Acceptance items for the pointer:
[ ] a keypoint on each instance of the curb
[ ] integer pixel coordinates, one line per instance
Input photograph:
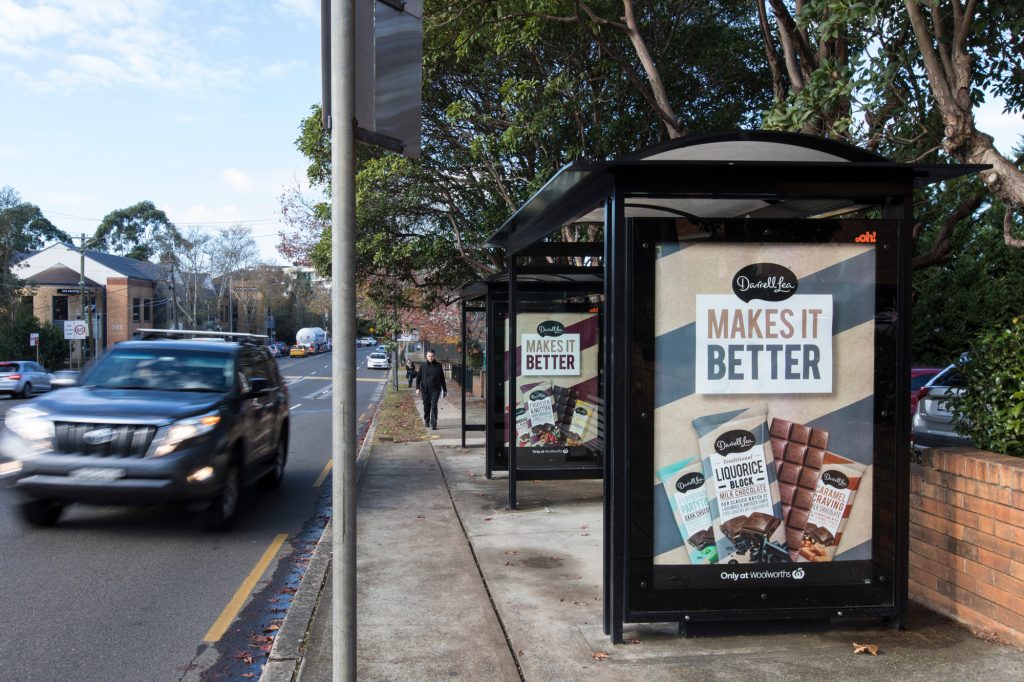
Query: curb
(286, 653)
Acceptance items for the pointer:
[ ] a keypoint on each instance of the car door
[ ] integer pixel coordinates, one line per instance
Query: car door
(258, 416)
(42, 381)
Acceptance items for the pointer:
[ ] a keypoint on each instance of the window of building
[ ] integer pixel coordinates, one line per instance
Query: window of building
(59, 308)
(136, 309)
(147, 310)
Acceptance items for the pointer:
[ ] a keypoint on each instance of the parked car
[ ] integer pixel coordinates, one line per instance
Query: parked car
(918, 378)
(274, 351)
(63, 378)
(377, 360)
(933, 425)
(282, 347)
(23, 378)
(364, 341)
(383, 349)
(298, 351)
(152, 421)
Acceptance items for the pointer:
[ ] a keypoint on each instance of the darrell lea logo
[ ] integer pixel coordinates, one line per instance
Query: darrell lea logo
(550, 328)
(737, 440)
(779, 574)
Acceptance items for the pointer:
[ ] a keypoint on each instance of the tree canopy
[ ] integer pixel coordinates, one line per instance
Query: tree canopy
(140, 231)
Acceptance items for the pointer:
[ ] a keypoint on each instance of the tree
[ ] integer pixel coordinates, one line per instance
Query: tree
(141, 231)
(232, 251)
(23, 228)
(513, 90)
(193, 285)
(905, 78)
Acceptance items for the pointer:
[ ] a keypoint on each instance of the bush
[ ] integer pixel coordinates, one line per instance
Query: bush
(989, 410)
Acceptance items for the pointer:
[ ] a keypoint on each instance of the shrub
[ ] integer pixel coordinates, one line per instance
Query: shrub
(989, 410)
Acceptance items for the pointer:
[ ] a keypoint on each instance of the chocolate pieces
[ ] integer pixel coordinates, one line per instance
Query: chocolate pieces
(733, 526)
(760, 524)
(702, 539)
(798, 451)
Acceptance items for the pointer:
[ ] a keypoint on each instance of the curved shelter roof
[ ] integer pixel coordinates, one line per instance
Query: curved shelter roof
(744, 174)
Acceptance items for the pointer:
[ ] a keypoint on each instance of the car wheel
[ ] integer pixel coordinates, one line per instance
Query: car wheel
(223, 509)
(41, 513)
(26, 391)
(272, 479)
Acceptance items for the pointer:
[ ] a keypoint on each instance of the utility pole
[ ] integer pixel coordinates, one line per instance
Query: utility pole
(81, 300)
(343, 359)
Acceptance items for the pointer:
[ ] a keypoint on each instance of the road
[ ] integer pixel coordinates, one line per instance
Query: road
(146, 594)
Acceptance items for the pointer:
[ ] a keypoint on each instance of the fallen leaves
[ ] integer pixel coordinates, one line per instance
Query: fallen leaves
(488, 518)
(865, 649)
(600, 655)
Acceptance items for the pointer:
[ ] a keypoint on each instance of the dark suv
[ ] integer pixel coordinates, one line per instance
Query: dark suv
(153, 420)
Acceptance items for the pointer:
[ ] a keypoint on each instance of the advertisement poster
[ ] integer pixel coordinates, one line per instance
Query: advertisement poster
(763, 420)
(557, 413)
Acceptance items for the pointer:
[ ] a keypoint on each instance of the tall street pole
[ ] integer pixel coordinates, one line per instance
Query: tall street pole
(81, 300)
(343, 360)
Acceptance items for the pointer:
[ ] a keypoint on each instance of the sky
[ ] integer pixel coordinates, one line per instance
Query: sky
(191, 104)
(194, 105)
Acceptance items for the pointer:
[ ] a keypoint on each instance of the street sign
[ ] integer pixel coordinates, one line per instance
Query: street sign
(33, 339)
(75, 329)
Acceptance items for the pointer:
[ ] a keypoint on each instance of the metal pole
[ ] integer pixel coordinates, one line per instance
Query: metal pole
(343, 361)
(81, 301)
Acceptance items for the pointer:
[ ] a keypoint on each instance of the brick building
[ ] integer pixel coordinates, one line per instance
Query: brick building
(122, 294)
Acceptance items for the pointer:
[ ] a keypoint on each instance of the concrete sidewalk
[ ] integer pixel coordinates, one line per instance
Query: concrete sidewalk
(451, 584)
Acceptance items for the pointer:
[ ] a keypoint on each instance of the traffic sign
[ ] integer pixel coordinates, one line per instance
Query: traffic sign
(33, 339)
(75, 329)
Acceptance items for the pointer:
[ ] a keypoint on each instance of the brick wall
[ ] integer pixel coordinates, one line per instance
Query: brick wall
(967, 539)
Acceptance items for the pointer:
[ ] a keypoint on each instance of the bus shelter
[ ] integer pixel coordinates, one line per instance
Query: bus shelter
(565, 298)
(755, 373)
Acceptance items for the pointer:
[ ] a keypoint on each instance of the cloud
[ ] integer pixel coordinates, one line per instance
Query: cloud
(306, 9)
(238, 180)
(71, 44)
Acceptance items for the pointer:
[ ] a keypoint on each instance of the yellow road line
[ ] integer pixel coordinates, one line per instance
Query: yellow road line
(323, 474)
(227, 616)
(376, 381)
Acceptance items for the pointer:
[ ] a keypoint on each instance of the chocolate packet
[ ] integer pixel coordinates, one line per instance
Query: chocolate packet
(683, 483)
(741, 486)
(541, 414)
(522, 426)
(830, 509)
(582, 417)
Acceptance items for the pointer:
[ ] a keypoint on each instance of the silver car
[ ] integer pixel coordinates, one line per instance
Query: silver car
(934, 424)
(23, 378)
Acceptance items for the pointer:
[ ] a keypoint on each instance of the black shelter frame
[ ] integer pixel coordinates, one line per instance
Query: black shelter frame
(745, 182)
(499, 296)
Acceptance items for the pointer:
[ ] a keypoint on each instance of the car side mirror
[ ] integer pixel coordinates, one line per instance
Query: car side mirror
(258, 386)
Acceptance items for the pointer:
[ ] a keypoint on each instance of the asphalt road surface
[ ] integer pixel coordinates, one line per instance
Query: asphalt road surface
(128, 594)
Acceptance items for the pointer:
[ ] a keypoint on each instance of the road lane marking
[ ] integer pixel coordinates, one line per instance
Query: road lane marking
(376, 381)
(227, 616)
(362, 417)
(323, 474)
(294, 406)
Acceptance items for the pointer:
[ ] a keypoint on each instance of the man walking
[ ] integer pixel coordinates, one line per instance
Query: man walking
(430, 384)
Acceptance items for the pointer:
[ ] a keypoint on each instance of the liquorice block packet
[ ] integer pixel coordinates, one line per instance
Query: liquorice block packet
(683, 483)
(830, 509)
(741, 485)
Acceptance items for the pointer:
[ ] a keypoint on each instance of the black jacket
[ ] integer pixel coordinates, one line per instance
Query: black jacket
(431, 377)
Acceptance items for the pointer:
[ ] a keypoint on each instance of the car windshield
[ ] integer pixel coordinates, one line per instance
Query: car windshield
(378, 356)
(162, 369)
(8, 367)
(949, 377)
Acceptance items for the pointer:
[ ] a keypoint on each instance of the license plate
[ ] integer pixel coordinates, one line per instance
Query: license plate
(98, 474)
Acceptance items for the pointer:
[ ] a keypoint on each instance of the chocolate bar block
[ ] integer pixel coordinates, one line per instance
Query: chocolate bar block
(761, 525)
(731, 528)
(798, 451)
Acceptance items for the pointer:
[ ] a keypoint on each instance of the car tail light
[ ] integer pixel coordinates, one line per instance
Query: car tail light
(13, 377)
(922, 392)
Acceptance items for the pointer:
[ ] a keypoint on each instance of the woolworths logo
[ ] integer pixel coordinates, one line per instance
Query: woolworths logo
(776, 574)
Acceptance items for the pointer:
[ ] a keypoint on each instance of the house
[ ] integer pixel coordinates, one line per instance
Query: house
(122, 294)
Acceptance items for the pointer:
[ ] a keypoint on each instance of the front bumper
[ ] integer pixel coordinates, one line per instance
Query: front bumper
(114, 480)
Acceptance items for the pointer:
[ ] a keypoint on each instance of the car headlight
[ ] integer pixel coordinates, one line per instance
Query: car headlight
(32, 426)
(168, 438)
